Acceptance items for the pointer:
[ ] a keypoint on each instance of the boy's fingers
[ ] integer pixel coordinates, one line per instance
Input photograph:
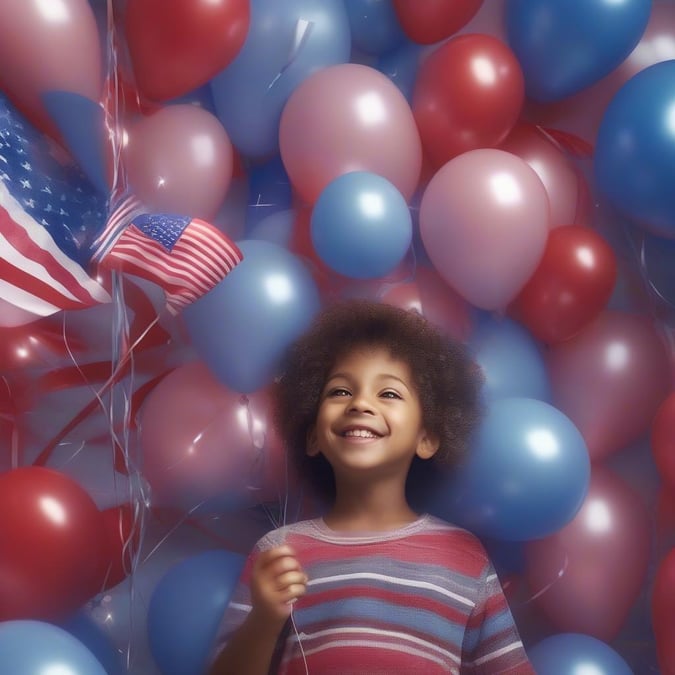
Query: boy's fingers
(290, 579)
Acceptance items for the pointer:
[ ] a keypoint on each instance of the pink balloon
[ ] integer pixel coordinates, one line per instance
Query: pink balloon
(179, 160)
(565, 186)
(484, 220)
(47, 46)
(582, 113)
(587, 576)
(349, 117)
(200, 441)
(610, 379)
(429, 295)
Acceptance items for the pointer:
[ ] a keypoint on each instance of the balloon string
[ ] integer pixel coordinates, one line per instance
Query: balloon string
(545, 589)
(303, 28)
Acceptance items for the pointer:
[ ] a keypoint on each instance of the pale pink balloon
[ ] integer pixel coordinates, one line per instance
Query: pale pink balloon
(484, 220)
(581, 114)
(179, 160)
(565, 185)
(349, 117)
(48, 45)
(587, 576)
(429, 295)
(200, 441)
(610, 379)
(11, 315)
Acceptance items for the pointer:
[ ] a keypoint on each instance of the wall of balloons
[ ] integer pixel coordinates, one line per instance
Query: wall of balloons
(504, 167)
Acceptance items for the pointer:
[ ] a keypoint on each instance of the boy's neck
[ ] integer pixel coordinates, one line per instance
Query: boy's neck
(369, 510)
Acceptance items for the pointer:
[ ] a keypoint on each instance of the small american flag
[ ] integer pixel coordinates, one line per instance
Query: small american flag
(185, 256)
(49, 213)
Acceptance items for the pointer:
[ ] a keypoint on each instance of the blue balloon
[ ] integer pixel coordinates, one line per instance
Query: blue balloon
(92, 637)
(375, 28)
(186, 608)
(564, 47)
(38, 648)
(401, 66)
(526, 475)
(361, 225)
(634, 158)
(269, 192)
(243, 326)
(657, 261)
(511, 360)
(286, 42)
(277, 228)
(576, 654)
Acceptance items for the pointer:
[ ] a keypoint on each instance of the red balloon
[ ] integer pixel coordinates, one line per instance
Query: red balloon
(663, 440)
(570, 287)
(610, 379)
(468, 95)
(587, 576)
(178, 46)
(663, 612)
(429, 21)
(52, 545)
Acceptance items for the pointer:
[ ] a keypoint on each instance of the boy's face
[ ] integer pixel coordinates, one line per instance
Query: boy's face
(370, 416)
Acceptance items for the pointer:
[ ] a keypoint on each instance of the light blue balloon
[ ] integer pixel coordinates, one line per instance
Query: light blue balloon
(361, 225)
(243, 326)
(576, 654)
(511, 360)
(186, 608)
(526, 475)
(286, 42)
(38, 648)
(375, 28)
(92, 637)
(565, 46)
(634, 158)
(277, 228)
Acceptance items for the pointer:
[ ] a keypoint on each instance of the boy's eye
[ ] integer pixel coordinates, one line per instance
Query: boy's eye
(390, 394)
(338, 391)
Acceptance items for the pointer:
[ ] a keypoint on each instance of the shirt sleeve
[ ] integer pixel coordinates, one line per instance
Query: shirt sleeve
(492, 644)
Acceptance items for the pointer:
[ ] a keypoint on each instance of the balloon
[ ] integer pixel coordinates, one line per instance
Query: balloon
(276, 228)
(429, 21)
(347, 118)
(269, 191)
(34, 647)
(566, 188)
(81, 627)
(186, 608)
(428, 294)
(526, 474)
(286, 43)
(610, 379)
(484, 221)
(599, 34)
(581, 114)
(53, 545)
(361, 226)
(663, 440)
(46, 47)
(179, 160)
(586, 577)
(574, 654)
(512, 362)
(468, 95)
(374, 26)
(242, 328)
(663, 611)
(571, 286)
(401, 65)
(635, 151)
(205, 444)
(178, 47)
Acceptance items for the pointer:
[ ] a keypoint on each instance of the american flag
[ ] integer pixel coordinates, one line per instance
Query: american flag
(186, 256)
(49, 214)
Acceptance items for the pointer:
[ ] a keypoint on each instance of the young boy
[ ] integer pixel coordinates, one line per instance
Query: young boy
(372, 587)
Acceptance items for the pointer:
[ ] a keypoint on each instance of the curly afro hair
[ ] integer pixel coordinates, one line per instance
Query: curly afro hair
(447, 380)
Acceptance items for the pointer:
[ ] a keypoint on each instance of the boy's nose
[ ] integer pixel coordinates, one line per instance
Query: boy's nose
(361, 404)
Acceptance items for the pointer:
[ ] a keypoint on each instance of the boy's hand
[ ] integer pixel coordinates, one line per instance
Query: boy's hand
(277, 582)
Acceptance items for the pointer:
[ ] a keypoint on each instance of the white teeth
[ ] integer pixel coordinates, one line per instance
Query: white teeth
(360, 433)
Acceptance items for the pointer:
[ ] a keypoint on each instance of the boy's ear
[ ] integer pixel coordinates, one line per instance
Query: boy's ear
(427, 445)
(311, 446)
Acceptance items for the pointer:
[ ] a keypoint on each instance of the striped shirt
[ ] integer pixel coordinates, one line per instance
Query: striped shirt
(420, 599)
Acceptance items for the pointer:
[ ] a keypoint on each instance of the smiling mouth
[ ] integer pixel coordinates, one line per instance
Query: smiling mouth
(360, 433)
